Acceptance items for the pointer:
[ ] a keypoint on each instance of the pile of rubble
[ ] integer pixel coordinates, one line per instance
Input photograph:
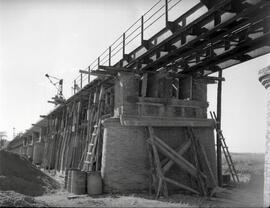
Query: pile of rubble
(13, 199)
(18, 174)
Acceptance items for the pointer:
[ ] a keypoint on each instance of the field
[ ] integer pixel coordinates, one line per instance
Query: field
(249, 193)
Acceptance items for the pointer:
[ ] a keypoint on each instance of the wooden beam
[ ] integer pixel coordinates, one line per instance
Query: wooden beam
(53, 102)
(180, 185)
(212, 78)
(112, 68)
(85, 72)
(100, 73)
(181, 151)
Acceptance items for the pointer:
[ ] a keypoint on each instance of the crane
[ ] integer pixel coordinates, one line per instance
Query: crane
(58, 83)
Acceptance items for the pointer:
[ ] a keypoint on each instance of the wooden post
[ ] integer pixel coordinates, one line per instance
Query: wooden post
(218, 141)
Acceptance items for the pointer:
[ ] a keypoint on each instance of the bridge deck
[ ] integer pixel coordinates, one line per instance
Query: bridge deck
(200, 40)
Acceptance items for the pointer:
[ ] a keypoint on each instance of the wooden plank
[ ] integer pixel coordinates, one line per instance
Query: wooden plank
(181, 185)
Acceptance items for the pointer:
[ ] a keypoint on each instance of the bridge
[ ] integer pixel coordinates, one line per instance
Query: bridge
(158, 82)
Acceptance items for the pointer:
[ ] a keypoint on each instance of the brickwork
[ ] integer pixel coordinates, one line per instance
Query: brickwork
(124, 158)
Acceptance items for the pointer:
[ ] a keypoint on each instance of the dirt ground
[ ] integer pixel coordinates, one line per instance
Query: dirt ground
(233, 197)
(249, 193)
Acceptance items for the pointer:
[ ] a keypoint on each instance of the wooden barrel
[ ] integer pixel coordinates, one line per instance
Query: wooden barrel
(30, 151)
(38, 152)
(78, 182)
(94, 183)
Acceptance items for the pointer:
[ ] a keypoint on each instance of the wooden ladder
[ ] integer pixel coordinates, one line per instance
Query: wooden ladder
(92, 153)
(225, 149)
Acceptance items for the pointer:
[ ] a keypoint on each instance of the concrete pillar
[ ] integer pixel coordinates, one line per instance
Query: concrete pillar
(264, 78)
(126, 88)
(193, 89)
(185, 89)
(159, 86)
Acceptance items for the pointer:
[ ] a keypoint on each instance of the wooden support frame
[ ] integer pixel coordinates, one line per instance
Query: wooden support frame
(178, 159)
(181, 151)
(206, 182)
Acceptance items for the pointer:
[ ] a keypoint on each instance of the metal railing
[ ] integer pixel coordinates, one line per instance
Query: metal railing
(131, 39)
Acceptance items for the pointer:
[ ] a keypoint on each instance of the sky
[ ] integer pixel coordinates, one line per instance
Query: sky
(62, 36)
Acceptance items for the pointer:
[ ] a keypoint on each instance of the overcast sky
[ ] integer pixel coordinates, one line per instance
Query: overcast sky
(62, 36)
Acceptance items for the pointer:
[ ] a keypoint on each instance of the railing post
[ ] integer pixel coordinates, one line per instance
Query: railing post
(166, 12)
(142, 29)
(74, 88)
(89, 70)
(81, 80)
(98, 61)
(124, 40)
(110, 55)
